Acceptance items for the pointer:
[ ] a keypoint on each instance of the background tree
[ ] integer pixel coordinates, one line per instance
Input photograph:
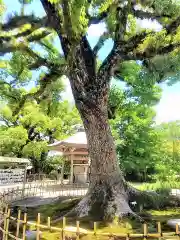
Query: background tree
(39, 121)
(134, 129)
(90, 83)
(33, 131)
(169, 150)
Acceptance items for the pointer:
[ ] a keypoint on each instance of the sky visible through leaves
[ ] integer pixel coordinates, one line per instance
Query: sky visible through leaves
(169, 107)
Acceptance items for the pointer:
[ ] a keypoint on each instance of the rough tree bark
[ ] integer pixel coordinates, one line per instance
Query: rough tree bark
(107, 195)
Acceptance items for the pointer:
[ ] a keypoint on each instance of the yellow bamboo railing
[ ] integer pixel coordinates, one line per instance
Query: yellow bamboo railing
(22, 224)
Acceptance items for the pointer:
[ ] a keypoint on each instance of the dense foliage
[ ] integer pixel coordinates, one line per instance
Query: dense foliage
(134, 128)
(137, 141)
(169, 151)
(146, 152)
(39, 122)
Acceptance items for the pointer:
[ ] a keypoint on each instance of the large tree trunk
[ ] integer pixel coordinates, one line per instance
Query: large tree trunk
(107, 196)
(107, 189)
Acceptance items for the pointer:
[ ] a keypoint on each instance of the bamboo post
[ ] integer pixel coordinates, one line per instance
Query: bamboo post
(159, 230)
(24, 226)
(95, 229)
(5, 219)
(177, 230)
(63, 228)
(38, 227)
(18, 223)
(127, 237)
(127, 227)
(145, 231)
(7, 224)
(77, 230)
(49, 223)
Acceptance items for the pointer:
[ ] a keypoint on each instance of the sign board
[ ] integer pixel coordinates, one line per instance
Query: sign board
(11, 175)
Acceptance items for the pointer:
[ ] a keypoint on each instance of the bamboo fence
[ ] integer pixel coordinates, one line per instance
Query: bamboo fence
(22, 225)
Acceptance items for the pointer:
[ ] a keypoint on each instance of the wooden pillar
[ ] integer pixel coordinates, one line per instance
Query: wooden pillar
(62, 172)
(72, 170)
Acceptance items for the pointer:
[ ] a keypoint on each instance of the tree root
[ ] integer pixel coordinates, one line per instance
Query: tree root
(103, 205)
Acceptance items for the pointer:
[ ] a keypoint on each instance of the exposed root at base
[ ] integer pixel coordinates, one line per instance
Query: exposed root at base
(116, 207)
(77, 213)
(81, 210)
(104, 207)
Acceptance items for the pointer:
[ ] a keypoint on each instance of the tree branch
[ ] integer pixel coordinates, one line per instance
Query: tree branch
(89, 59)
(8, 48)
(100, 43)
(147, 15)
(124, 50)
(49, 48)
(5, 83)
(10, 94)
(39, 61)
(134, 41)
(99, 18)
(30, 38)
(121, 22)
(37, 37)
(53, 17)
(172, 27)
(18, 21)
(152, 52)
(8, 123)
(106, 69)
(44, 82)
(56, 23)
(67, 18)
